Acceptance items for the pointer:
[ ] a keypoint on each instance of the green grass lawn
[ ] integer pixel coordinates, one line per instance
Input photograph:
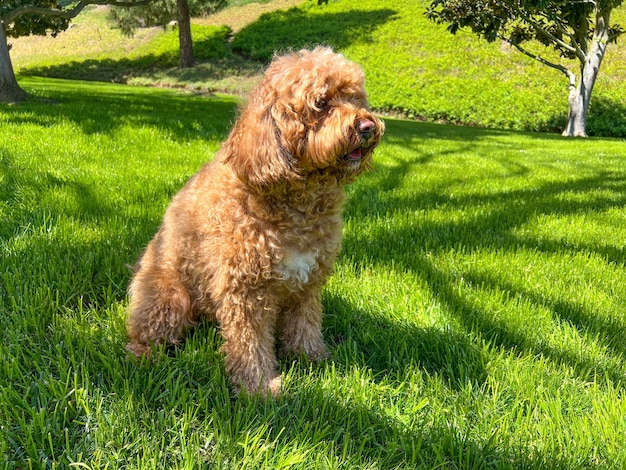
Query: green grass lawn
(475, 320)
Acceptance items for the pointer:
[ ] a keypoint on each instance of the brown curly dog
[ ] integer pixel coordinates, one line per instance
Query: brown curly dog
(251, 238)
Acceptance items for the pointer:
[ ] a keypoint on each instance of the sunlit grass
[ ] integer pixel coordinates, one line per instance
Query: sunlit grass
(475, 318)
(91, 36)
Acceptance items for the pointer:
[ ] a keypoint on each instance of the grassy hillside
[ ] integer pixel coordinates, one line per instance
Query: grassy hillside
(91, 50)
(413, 66)
(475, 320)
(416, 67)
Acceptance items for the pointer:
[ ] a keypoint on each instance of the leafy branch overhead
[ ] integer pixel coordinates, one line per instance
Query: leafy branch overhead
(565, 26)
(159, 13)
(578, 30)
(20, 18)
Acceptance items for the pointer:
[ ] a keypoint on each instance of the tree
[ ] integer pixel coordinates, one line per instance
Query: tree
(25, 17)
(578, 30)
(161, 13)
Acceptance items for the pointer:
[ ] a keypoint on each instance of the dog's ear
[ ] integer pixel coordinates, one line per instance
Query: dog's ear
(255, 149)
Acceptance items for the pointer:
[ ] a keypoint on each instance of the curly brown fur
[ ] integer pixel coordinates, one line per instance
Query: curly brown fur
(251, 238)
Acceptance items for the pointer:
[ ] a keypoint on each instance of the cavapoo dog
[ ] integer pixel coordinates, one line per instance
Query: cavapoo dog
(251, 238)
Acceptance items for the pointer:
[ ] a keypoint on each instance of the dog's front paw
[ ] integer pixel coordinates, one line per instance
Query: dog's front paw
(314, 351)
(319, 354)
(275, 386)
(267, 387)
(139, 349)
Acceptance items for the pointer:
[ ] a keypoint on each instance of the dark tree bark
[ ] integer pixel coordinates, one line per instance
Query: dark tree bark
(184, 34)
(10, 91)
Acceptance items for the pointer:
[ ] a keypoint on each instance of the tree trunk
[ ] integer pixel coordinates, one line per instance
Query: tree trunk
(580, 95)
(184, 34)
(10, 91)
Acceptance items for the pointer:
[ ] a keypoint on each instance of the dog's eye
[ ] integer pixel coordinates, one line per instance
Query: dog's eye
(321, 104)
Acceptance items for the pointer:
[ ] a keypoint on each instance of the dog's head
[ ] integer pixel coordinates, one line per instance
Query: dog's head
(309, 114)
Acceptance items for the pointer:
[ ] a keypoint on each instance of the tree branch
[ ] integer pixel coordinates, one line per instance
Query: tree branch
(568, 47)
(561, 68)
(66, 14)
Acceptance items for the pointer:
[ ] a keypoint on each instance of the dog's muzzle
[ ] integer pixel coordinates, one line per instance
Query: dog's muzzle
(366, 129)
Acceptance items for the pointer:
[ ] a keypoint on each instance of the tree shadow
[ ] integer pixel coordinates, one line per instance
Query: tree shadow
(294, 29)
(606, 331)
(41, 255)
(361, 433)
(365, 436)
(490, 224)
(276, 31)
(124, 70)
(39, 207)
(209, 46)
(103, 109)
(371, 336)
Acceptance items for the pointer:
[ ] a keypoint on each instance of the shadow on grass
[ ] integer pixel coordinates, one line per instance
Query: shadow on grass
(42, 256)
(277, 31)
(41, 207)
(104, 108)
(296, 28)
(368, 434)
(356, 433)
(209, 46)
(362, 436)
(372, 337)
(151, 66)
(490, 225)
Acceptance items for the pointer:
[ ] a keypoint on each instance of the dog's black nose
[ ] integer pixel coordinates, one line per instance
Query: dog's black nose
(366, 129)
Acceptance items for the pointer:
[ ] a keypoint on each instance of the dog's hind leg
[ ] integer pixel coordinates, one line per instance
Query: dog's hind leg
(160, 306)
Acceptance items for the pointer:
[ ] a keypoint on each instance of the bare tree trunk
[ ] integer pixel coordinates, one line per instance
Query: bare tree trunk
(10, 91)
(184, 34)
(580, 95)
